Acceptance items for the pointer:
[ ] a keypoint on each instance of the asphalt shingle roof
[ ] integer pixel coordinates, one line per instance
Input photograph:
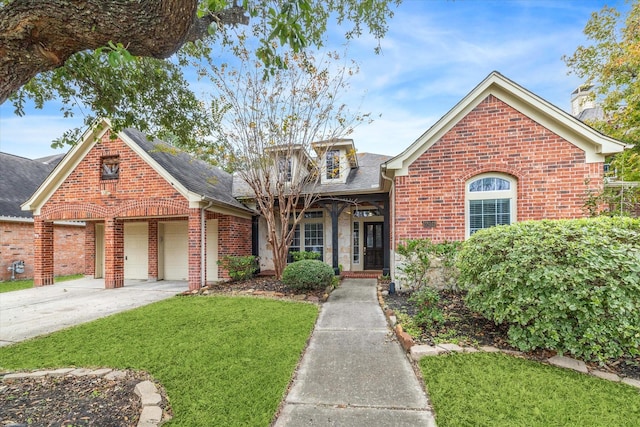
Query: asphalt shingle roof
(195, 175)
(363, 179)
(19, 179)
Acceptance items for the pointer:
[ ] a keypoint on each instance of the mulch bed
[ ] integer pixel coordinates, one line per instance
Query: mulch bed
(262, 285)
(472, 329)
(71, 401)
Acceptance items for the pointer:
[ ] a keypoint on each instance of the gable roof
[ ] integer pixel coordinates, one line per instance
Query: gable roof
(595, 144)
(363, 179)
(197, 176)
(198, 181)
(20, 178)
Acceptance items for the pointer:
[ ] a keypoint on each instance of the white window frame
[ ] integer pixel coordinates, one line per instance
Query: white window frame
(510, 194)
(310, 217)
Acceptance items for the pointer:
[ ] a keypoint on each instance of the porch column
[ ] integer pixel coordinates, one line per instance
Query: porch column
(90, 248)
(386, 233)
(153, 250)
(197, 256)
(336, 210)
(113, 253)
(43, 252)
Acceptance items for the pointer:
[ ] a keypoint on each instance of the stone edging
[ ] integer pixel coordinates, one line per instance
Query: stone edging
(417, 352)
(152, 414)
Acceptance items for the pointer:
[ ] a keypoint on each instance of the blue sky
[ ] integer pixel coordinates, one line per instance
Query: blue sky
(435, 52)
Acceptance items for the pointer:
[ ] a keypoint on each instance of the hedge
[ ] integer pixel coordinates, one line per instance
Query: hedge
(567, 285)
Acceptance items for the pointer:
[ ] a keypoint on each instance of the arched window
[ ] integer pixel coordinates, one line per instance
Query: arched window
(490, 200)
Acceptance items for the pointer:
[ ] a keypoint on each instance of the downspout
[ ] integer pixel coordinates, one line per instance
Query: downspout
(383, 169)
(203, 248)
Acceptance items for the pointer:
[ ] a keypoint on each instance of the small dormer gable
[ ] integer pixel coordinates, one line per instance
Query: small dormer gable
(291, 162)
(336, 157)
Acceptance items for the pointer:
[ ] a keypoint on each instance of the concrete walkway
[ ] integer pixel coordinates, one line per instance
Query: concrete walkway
(36, 311)
(354, 372)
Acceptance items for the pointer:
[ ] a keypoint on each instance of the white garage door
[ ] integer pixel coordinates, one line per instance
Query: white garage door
(212, 250)
(136, 250)
(176, 250)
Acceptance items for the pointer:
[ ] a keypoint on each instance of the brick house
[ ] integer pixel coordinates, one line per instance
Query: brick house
(19, 178)
(501, 155)
(151, 211)
(349, 224)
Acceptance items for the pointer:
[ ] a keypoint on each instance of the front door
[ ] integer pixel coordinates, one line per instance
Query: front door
(373, 249)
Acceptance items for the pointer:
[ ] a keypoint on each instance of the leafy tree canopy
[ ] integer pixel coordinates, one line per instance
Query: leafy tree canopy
(127, 60)
(611, 63)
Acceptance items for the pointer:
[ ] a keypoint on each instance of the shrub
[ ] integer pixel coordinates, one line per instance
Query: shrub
(239, 267)
(566, 285)
(416, 262)
(307, 274)
(428, 314)
(299, 256)
(418, 256)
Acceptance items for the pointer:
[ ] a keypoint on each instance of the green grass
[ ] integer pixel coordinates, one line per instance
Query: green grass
(483, 389)
(18, 285)
(222, 360)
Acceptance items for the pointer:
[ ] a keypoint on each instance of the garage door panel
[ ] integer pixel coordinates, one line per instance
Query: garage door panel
(136, 251)
(176, 251)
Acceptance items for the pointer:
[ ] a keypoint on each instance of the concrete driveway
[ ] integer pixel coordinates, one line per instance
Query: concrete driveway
(38, 311)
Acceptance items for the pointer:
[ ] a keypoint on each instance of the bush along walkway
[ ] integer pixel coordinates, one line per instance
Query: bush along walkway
(353, 372)
(417, 352)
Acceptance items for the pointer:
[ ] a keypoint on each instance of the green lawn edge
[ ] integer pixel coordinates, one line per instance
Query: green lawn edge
(222, 360)
(18, 285)
(492, 389)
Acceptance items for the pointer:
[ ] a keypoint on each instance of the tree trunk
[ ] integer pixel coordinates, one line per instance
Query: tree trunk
(37, 35)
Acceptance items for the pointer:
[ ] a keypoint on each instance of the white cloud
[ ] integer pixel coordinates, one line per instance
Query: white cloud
(434, 53)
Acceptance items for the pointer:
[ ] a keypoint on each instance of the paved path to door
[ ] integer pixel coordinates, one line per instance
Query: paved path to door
(36, 311)
(354, 372)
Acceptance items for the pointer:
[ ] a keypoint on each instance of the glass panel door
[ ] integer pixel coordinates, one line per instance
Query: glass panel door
(373, 249)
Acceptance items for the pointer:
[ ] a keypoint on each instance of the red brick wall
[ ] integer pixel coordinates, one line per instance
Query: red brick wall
(234, 237)
(113, 253)
(17, 243)
(153, 249)
(494, 137)
(68, 257)
(139, 190)
(90, 249)
(42, 252)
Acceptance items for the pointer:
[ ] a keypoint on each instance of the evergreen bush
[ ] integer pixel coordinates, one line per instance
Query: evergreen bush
(300, 255)
(239, 267)
(568, 285)
(307, 275)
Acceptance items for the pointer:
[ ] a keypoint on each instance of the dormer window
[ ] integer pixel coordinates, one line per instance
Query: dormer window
(284, 168)
(333, 164)
(110, 167)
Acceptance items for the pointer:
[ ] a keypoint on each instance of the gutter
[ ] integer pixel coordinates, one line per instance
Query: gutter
(392, 205)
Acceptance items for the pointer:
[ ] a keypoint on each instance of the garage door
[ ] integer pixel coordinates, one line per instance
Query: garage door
(212, 250)
(176, 251)
(136, 250)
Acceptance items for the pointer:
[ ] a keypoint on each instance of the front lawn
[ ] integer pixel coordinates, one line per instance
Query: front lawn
(17, 285)
(223, 361)
(485, 389)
